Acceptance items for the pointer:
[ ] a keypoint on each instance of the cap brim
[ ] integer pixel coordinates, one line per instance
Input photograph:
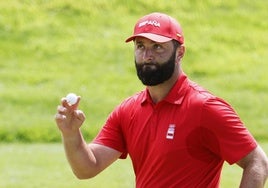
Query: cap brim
(151, 36)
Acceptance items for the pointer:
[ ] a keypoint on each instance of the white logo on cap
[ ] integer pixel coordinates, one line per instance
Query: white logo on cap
(150, 22)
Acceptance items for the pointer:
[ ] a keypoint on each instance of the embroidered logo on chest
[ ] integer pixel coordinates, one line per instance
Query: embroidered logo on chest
(170, 132)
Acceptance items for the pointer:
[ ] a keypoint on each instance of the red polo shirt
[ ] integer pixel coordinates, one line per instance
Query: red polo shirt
(181, 141)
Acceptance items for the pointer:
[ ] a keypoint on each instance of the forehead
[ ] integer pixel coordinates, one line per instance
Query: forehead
(143, 40)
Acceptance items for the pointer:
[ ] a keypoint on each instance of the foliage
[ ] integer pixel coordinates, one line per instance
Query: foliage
(50, 48)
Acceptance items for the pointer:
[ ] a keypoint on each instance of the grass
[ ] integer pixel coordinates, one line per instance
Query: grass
(45, 165)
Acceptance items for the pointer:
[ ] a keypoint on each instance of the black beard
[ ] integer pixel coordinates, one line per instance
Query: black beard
(152, 73)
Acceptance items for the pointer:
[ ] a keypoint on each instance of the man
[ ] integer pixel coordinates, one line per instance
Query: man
(176, 133)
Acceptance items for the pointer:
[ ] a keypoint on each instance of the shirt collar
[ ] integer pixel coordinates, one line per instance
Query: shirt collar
(176, 94)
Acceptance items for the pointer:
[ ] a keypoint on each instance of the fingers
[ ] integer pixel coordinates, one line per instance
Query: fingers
(61, 109)
(66, 109)
(74, 106)
(68, 116)
(61, 115)
(59, 118)
(80, 115)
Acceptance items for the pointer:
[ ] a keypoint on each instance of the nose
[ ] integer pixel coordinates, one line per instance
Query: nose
(147, 55)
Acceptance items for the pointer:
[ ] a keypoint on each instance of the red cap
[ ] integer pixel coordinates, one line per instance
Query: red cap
(158, 27)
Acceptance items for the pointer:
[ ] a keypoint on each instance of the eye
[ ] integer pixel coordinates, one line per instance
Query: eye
(139, 46)
(157, 46)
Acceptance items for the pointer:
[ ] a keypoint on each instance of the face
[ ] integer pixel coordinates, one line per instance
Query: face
(155, 62)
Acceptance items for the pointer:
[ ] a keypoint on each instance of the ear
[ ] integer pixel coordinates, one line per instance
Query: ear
(180, 52)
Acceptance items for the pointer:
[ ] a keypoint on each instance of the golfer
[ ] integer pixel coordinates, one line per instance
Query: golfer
(176, 133)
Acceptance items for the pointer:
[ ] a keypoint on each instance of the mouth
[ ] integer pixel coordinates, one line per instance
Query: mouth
(149, 66)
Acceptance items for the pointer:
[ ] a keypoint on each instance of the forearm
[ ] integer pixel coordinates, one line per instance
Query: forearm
(253, 177)
(79, 155)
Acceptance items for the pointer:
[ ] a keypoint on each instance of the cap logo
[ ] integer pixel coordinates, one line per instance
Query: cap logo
(149, 22)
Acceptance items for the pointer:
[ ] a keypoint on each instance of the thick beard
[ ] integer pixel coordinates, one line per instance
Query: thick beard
(152, 73)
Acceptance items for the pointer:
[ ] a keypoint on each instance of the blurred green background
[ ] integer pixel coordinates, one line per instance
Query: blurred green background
(50, 48)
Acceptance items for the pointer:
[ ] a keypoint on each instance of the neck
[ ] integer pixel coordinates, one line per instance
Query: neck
(160, 91)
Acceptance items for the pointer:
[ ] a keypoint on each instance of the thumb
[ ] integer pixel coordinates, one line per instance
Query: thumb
(80, 115)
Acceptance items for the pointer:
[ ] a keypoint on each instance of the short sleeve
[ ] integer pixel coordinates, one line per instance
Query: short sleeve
(226, 135)
(111, 133)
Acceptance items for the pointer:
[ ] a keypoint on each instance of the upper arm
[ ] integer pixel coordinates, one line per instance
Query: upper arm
(255, 168)
(255, 159)
(104, 155)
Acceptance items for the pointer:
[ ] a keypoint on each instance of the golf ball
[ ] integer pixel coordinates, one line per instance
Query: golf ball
(71, 98)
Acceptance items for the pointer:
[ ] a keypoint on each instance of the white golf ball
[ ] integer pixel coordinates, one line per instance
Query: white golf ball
(71, 98)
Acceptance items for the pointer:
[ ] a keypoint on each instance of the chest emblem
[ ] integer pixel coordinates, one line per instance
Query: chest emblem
(170, 132)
